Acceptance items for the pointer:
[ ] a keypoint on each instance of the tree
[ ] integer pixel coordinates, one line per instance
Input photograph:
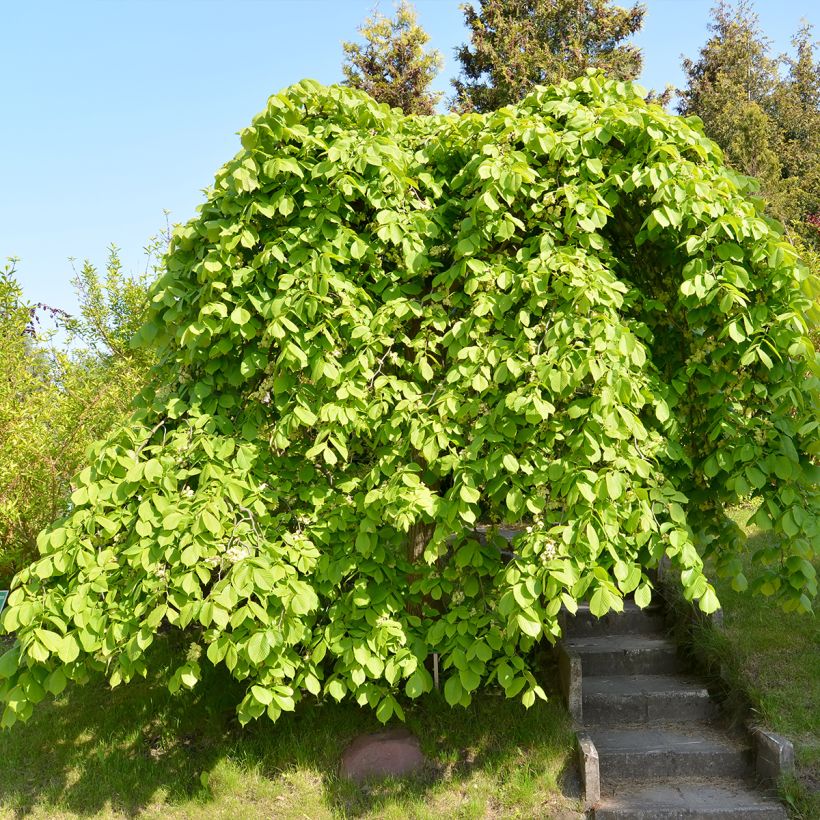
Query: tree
(729, 87)
(795, 108)
(565, 314)
(767, 125)
(55, 402)
(393, 66)
(517, 44)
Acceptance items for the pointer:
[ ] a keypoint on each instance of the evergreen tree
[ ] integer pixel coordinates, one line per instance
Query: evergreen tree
(796, 110)
(393, 66)
(730, 86)
(516, 44)
(768, 125)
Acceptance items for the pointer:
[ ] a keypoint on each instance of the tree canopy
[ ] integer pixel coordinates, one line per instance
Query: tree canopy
(566, 314)
(393, 66)
(518, 44)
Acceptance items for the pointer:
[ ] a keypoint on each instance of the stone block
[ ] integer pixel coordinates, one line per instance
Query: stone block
(393, 753)
(570, 676)
(590, 769)
(775, 754)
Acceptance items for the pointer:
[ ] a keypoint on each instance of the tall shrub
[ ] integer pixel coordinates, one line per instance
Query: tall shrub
(386, 330)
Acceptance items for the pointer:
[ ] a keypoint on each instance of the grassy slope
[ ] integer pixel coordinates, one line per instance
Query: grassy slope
(774, 659)
(137, 750)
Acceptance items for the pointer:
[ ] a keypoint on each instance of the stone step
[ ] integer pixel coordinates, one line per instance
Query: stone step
(630, 699)
(650, 753)
(625, 655)
(631, 621)
(689, 799)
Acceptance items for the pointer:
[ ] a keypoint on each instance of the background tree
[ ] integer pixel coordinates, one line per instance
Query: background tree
(393, 66)
(766, 121)
(516, 44)
(795, 108)
(57, 400)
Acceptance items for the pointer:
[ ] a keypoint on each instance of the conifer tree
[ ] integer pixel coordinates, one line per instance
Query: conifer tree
(729, 86)
(766, 121)
(796, 109)
(393, 65)
(516, 44)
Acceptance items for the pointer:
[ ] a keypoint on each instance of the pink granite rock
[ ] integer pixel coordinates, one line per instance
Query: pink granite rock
(384, 754)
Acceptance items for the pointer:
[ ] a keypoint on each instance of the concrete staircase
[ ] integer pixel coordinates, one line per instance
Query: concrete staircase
(652, 743)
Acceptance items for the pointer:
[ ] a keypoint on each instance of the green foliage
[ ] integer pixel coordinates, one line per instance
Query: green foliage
(385, 330)
(518, 44)
(393, 66)
(55, 402)
(768, 125)
(113, 307)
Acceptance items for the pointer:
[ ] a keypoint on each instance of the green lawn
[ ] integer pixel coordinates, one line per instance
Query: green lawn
(138, 751)
(771, 659)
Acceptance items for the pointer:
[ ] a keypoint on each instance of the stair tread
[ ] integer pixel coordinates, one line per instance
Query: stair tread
(641, 685)
(680, 739)
(654, 608)
(691, 796)
(619, 643)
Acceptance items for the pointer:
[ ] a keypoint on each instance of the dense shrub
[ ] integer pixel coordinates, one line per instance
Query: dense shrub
(385, 330)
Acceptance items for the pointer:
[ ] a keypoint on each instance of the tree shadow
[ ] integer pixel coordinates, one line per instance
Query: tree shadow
(94, 749)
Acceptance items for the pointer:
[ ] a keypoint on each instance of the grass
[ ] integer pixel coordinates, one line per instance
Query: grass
(139, 751)
(767, 662)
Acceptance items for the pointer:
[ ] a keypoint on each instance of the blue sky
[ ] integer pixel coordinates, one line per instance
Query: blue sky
(118, 109)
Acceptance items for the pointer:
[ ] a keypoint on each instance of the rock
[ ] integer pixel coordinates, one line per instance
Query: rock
(393, 753)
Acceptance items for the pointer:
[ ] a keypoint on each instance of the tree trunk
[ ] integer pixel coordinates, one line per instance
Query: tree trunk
(418, 538)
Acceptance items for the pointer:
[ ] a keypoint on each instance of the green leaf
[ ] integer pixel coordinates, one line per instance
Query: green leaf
(529, 623)
(69, 649)
(599, 603)
(453, 690)
(614, 485)
(515, 501)
(240, 316)
(384, 711)
(211, 523)
(50, 640)
(510, 462)
(258, 648)
(643, 595)
(304, 600)
(263, 695)
(305, 415)
(708, 602)
(417, 684)
(469, 679)
(56, 681)
(8, 662)
(336, 689)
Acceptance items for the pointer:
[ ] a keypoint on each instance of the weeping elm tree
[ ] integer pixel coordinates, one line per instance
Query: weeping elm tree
(387, 330)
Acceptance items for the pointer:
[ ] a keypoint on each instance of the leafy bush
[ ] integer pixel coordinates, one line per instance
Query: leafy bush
(386, 330)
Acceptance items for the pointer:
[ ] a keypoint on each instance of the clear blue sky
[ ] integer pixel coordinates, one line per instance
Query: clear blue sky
(115, 110)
